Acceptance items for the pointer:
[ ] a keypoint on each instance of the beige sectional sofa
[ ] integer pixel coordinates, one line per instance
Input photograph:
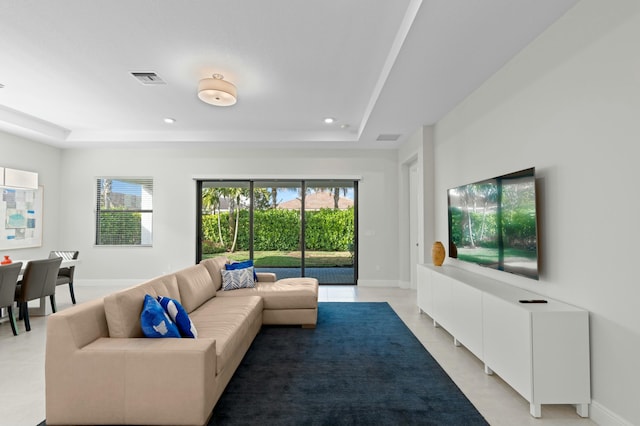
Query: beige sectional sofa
(100, 369)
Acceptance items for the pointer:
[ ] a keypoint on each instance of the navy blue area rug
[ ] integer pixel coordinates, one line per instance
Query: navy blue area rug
(360, 366)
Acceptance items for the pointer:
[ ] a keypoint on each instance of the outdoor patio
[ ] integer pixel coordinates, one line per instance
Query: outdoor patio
(324, 275)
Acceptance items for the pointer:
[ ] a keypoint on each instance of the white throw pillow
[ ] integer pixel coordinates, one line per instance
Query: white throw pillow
(237, 278)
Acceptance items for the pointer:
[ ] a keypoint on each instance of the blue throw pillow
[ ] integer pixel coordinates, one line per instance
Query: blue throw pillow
(179, 316)
(155, 321)
(241, 265)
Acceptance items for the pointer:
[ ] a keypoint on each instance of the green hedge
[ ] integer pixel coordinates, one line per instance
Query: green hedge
(276, 229)
(329, 230)
(119, 228)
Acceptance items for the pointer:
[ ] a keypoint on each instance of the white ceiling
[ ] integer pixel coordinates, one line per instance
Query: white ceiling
(377, 66)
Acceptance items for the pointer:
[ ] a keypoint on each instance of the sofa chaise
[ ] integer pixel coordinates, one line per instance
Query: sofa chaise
(100, 369)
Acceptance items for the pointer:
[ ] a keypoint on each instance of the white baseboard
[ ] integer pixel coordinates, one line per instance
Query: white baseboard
(604, 417)
(404, 284)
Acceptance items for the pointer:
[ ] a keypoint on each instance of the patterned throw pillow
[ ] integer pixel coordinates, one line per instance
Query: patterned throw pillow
(179, 316)
(237, 278)
(155, 321)
(241, 265)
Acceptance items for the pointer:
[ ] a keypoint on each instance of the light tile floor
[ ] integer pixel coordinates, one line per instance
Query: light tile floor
(22, 399)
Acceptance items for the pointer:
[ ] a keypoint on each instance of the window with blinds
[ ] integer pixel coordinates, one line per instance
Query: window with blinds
(124, 211)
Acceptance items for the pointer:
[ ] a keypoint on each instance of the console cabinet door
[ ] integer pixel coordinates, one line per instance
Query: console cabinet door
(443, 301)
(507, 343)
(466, 326)
(561, 371)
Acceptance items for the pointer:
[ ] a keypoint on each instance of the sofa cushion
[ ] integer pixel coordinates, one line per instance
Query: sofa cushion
(229, 321)
(287, 293)
(237, 278)
(155, 321)
(214, 266)
(196, 286)
(123, 308)
(179, 316)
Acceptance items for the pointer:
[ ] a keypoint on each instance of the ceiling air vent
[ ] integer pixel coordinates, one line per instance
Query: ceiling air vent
(389, 137)
(148, 78)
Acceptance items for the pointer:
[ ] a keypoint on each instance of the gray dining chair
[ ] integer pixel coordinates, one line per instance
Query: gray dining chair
(8, 280)
(65, 275)
(38, 281)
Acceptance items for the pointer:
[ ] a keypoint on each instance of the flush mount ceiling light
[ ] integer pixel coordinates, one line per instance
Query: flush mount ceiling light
(217, 91)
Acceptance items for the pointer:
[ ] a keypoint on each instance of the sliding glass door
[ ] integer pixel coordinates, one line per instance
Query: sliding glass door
(277, 227)
(223, 219)
(329, 237)
(293, 228)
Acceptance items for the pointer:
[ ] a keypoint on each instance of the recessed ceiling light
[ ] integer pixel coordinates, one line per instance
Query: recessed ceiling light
(169, 120)
(344, 126)
(329, 120)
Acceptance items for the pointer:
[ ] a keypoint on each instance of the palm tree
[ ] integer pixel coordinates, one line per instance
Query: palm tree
(274, 197)
(261, 198)
(336, 195)
(234, 195)
(211, 201)
(490, 198)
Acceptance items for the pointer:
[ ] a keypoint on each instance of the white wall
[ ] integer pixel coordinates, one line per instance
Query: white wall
(20, 153)
(418, 149)
(175, 194)
(569, 105)
(410, 153)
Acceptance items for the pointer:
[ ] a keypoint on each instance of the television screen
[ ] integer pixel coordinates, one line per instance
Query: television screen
(494, 223)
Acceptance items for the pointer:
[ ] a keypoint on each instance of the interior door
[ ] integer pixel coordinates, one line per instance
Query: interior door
(413, 223)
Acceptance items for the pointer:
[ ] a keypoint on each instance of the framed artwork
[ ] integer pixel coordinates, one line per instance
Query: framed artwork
(20, 217)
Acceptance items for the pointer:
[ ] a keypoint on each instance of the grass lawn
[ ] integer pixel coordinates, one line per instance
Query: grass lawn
(291, 259)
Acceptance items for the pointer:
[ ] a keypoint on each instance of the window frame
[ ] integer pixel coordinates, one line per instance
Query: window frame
(201, 183)
(142, 181)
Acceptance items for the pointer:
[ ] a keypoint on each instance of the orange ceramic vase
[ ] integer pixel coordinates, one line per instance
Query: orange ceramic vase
(5, 261)
(437, 253)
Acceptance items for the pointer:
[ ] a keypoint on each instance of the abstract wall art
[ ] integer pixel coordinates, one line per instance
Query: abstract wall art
(20, 218)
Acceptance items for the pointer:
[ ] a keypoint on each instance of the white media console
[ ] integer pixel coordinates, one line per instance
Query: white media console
(540, 349)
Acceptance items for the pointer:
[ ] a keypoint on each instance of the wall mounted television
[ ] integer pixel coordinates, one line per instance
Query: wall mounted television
(493, 223)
